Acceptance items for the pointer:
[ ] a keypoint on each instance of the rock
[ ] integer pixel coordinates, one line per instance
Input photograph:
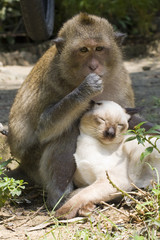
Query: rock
(146, 68)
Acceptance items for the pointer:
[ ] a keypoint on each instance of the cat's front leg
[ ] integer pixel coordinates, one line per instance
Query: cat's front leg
(84, 200)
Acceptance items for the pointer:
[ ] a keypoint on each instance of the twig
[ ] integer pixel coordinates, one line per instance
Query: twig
(116, 209)
(124, 193)
(31, 217)
(140, 190)
(8, 219)
(135, 193)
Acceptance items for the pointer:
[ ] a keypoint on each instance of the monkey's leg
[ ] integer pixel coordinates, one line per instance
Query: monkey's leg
(57, 166)
(100, 190)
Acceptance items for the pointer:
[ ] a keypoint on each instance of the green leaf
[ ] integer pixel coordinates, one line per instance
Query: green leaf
(4, 164)
(156, 127)
(154, 136)
(149, 213)
(138, 207)
(129, 132)
(156, 192)
(139, 237)
(130, 138)
(140, 140)
(150, 131)
(139, 125)
(147, 151)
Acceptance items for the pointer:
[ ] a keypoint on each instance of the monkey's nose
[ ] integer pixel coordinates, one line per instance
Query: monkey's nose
(93, 67)
(110, 133)
(93, 64)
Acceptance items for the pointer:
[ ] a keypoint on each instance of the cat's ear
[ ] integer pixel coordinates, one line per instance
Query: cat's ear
(132, 111)
(92, 103)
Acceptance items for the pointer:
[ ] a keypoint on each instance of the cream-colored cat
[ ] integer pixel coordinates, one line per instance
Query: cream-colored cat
(101, 147)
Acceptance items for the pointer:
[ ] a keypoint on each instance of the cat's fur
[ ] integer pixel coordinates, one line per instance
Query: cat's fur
(101, 147)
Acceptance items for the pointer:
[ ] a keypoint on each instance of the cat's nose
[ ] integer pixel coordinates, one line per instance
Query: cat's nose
(110, 132)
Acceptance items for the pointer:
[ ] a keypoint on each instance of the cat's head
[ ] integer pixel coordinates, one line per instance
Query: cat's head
(107, 121)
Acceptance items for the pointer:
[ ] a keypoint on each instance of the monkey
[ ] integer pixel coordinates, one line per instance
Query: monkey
(85, 63)
(101, 148)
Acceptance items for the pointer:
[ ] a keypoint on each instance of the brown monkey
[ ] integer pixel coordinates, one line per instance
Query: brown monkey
(85, 63)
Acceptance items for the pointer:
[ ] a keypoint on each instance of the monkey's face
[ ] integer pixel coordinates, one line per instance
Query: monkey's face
(87, 56)
(91, 56)
(87, 44)
(107, 122)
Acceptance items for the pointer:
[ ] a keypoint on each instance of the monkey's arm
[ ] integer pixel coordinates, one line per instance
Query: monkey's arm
(59, 117)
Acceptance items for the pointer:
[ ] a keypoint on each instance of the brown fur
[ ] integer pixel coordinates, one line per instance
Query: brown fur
(85, 63)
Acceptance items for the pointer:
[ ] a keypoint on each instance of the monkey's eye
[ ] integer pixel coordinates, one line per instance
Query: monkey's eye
(99, 48)
(83, 49)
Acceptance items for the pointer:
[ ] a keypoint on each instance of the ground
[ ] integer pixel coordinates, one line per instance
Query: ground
(27, 219)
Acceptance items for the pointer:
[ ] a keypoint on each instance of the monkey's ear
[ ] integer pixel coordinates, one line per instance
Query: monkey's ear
(59, 42)
(132, 111)
(120, 37)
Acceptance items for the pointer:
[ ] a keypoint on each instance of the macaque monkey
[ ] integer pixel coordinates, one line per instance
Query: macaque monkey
(101, 148)
(84, 63)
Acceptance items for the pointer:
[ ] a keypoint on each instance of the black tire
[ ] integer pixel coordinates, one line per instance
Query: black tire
(38, 17)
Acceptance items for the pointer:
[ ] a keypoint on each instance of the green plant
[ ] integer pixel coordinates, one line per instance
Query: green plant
(10, 20)
(147, 209)
(156, 101)
(9, 187)
(131, 16)
(9, 11)
(141, 135)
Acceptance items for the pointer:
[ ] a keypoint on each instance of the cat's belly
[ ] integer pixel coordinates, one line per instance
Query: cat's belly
(91, 169)
(87, 173)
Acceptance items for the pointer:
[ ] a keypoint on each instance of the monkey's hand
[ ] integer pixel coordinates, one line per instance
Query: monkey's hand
(93, 84)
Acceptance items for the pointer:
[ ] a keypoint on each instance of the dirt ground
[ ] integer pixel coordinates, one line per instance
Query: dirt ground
(27, 219)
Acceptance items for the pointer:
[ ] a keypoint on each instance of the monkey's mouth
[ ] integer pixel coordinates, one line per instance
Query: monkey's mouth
(101, 75)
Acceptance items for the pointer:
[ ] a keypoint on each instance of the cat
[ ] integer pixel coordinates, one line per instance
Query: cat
(101, 148)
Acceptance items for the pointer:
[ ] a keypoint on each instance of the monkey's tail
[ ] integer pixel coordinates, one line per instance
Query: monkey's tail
(2, 130)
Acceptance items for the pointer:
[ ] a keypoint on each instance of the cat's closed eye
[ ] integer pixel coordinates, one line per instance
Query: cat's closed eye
(121, 126)
(99, 120)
